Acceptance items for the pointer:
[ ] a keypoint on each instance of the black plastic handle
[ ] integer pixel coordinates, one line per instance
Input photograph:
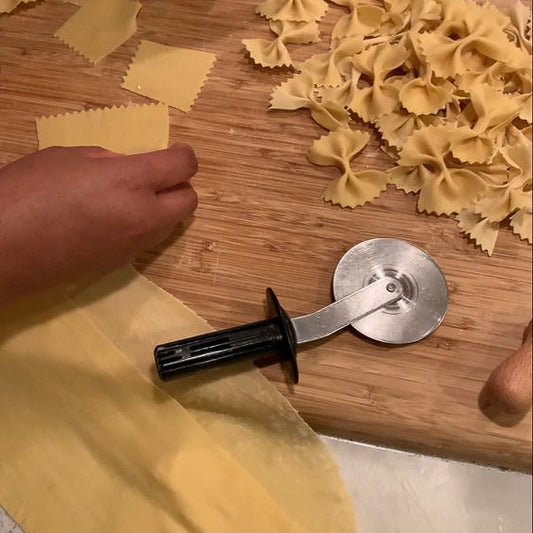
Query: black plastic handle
(274, 335)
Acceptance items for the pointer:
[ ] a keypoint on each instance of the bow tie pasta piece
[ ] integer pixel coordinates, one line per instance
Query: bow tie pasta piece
(487, 115)
(519, 30)
(483, 232)
(427, 95)
(293, 10)
(501, 201)
(327, 69)
(521, 223)
(396, 127)
(524, 87)
(425, 14)
(329, 114)
(297, 93)
(293, 94)
(396, 17)
(444, 186)
(353, 188)
(471, 37)
(420, 15)
(495, 76)
(362, 20)
(515, 194)
(344, 93)
(274, 53)
(518, 191)
(377, 63)
(518, 153)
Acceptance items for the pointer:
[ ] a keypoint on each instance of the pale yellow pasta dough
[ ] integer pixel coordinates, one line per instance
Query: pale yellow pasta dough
(520, 28)
(521, 223)
(298, 93)
(125, 130)
(361, 21)
(171, 75)
(487, 115)
(481, 40)
(293, 10)
(396, 127)
(100, 26)
(353, 188)
(328, 69)
(382, 96)
(427, 95)
(237, 406)
(89, 445)
(274, 53)
(461, 66)
(445, 187)
(8, 5)
(483, 232)
(343, 93)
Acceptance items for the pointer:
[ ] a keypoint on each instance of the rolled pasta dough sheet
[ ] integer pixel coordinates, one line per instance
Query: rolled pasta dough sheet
(240, 409)
(89, 445)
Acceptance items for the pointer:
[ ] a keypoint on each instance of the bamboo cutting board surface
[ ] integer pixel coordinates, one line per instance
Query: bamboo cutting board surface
(261, 223)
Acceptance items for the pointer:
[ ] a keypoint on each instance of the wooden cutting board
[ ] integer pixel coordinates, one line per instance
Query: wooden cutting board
(261, 223)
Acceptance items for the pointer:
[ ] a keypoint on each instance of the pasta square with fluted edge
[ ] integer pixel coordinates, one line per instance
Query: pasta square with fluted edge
(99, 27)
(125, 130)
(171, 75)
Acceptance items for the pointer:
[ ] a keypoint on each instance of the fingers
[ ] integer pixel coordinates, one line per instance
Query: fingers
(177, 203)
(162, 169)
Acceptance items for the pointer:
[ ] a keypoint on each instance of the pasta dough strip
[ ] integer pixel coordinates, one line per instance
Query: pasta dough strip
(237, 406)
(83, 430)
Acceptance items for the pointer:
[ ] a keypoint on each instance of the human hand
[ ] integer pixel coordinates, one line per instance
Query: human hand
(68, 212)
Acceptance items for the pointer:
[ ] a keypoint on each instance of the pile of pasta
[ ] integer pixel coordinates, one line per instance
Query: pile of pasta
(446, 83)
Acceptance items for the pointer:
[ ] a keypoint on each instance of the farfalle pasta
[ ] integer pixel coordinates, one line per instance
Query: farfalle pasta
(487, 115)
(471, 37)
(292, 10)
(396, 127)
(352, 188)
(483, 232)
(274, 53)
(297, 93)
(382, 96)
(447, 85)
(363, 20)
(519, 30)
(329, 68)
(445, 188)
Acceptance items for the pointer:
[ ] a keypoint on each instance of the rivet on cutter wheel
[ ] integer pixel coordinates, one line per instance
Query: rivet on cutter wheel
(386, 289)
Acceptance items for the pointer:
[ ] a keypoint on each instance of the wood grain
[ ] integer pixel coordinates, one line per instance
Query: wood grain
(261, 223)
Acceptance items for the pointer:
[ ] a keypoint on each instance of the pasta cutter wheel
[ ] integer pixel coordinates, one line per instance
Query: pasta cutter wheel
(424, 300)
(387, 289)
